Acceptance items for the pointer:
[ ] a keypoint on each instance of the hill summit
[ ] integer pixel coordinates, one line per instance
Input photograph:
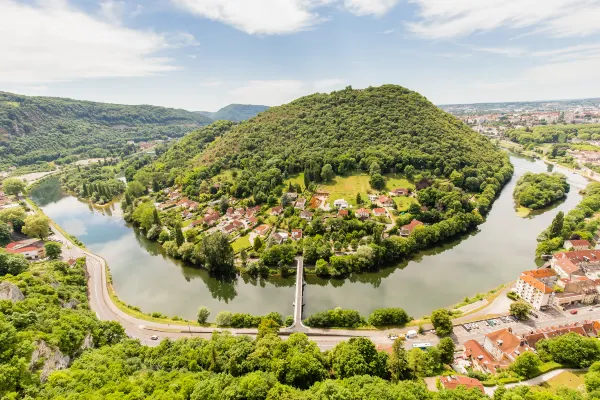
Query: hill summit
(349, 129)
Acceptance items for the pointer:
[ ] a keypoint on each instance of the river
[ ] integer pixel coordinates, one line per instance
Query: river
(145, 277)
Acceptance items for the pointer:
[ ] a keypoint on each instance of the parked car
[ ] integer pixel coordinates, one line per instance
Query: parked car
(154, 337)
(573, 312)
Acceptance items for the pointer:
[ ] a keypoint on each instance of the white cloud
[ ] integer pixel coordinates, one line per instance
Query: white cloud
(268, 17)
(388, 31)
(369, 7)
(558, 18)
(112, 11)
(54, 42)
(504, 51)
(276, 92)
(211, 83)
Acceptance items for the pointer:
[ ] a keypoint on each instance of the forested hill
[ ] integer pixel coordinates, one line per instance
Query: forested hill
(349, 129)
(235, 112)
(47, 128)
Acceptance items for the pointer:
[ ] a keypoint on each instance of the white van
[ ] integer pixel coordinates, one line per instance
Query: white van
(411, 334)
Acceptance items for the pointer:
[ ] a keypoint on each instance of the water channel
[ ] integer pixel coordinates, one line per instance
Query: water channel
(145, 277)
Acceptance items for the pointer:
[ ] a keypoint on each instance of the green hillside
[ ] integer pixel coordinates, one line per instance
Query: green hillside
(390, 126)
(235, 112)
(47, 128)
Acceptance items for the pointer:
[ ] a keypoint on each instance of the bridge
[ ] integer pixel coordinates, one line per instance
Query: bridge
(299, 298)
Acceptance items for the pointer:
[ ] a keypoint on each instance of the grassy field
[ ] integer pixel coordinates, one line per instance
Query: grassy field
(346, 187)
(224, 176)
(296, 180)
(404, 202)
(572, 380)
(393, 181)
(241, 243)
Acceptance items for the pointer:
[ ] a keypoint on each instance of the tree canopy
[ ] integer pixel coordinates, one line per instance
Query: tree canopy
(536, 191)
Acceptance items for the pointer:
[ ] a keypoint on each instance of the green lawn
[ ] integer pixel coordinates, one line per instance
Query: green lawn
(404, 202)
(393, 181)
(241, 243)
(572, 380)
(296, 180)
(346, 187)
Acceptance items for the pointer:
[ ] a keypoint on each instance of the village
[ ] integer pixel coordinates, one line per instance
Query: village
(247, 224)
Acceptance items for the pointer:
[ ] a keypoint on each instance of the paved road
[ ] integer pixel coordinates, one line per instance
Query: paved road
(105, 309)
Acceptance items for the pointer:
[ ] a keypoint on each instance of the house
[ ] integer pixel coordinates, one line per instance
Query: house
(576, 244)
(31, 249)
(550, 332)
(228, 229)
(504, 345)
(296, 234)
(577, 290)
(185, 214)
(252, 211)
(307, 215)
(569, 263)
(379, 212)
(372, 198)
(291, 196)
(481, 359)
(340, 203)
(406, 230)
(315, 202)
(262, 230)
(252, 221)
(535, 287)
(280, 237)
(400, 192)
(362, 213)
(211, 219)
(342, 213)
(453, 381)
(385, 201)
(277, 210)
(166, 205)
(300, 203)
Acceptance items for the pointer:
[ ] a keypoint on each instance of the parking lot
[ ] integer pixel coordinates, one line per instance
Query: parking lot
(486, 325)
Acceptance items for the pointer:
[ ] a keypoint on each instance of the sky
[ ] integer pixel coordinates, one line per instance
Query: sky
(205, 54)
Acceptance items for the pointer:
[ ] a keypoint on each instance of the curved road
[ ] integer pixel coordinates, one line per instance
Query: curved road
(534, 381)
(105, 309)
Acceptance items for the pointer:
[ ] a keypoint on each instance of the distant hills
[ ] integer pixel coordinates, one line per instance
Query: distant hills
(34, 129)
(234, 112)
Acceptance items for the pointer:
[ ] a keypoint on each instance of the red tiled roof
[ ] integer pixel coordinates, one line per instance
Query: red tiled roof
(452, 382)
(567, 265)
(539, 285)
(413, 224)
(510, 342)
(540, 273)
(21, 249)
(481, 356)
(577, 243)
(379, 210)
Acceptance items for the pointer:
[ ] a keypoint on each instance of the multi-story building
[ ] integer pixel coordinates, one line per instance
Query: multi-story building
(535, 287)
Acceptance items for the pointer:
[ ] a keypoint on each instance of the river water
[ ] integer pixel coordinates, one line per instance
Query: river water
(145, 277)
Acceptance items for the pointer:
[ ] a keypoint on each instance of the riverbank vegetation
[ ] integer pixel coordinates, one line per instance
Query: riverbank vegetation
(535, 191)
(579, 223)
(95, 182)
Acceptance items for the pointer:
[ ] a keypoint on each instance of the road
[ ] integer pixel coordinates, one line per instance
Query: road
(105, 309)
(534, 381)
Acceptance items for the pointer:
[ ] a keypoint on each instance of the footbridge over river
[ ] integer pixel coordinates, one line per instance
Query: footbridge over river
(299, 297)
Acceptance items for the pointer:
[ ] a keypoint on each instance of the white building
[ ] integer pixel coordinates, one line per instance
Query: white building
(340, 203)
(535, 287)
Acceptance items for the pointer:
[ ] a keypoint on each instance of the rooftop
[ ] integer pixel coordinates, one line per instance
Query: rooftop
(539, 285)
(453, 381)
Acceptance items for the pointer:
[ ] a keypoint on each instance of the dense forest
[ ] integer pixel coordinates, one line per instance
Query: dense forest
(537, 191)
(389, 126)
(34, 129)
(95, 182)
(234, 112)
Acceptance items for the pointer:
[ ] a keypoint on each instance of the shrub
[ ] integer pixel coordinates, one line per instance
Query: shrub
(224, 318)
(388, 316)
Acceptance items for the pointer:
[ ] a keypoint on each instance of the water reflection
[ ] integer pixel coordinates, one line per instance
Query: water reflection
(143, 275)
(503, 246)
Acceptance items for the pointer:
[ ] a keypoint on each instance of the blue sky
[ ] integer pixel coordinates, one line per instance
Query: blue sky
(205, 54)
